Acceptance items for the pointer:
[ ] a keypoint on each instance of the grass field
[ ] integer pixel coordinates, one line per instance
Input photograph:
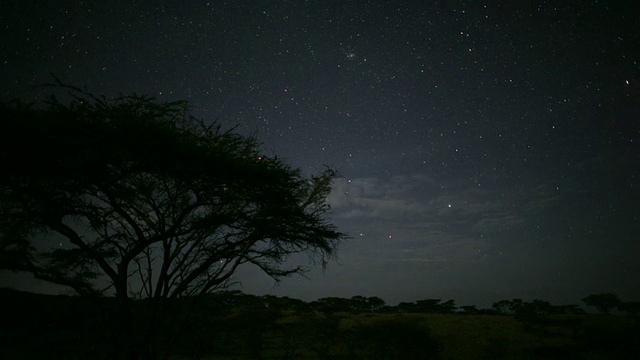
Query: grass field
(40, 327)
(432, 336)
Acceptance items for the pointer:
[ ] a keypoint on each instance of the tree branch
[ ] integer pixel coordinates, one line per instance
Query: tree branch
(75, 239)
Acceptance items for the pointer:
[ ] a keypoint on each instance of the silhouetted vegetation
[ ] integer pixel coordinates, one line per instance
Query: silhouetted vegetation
(136, 198)
(394, 338)
(603, 302)
(233, 325)
(631, 307)
(435, 306)
(356, 304)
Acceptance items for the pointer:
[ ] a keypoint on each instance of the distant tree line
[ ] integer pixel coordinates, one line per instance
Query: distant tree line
(604, 303)
(607, 302)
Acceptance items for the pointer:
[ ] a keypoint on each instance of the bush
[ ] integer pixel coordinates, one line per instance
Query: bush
(395, 338)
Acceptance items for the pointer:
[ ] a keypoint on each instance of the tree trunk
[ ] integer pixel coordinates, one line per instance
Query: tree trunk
(128, 344)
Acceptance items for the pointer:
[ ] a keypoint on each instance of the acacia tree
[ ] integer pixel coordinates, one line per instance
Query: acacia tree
(603, 302)
(137, 198)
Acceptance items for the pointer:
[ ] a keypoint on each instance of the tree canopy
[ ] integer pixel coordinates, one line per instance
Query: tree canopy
(136, 197)
(603, 302)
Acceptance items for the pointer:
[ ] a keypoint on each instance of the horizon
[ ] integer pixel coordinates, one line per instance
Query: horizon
(58, 291)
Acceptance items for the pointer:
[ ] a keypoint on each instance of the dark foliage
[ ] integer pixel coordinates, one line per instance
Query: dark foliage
(397, 338)
(230, 324)
(603, 302)
(632, 308)
(618, 340)
(355, 304)
(428, 306)
(136, 198)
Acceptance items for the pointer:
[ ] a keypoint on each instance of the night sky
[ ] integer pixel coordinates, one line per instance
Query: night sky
(488, 149)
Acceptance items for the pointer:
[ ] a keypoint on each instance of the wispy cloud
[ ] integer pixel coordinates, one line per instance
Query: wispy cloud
(398, 196)
(419, 204)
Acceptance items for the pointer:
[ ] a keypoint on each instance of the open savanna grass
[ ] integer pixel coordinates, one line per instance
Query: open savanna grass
(411, 336)
(476, 336)
(318, 335)
(43, 327)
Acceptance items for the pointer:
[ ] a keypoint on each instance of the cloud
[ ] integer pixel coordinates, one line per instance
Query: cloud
(398, 196)
(437, 223)
(418, 210)
(497, 223)
(440, 248)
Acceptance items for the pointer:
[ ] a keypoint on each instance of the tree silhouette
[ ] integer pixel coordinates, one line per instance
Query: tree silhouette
(366, 304)
(508, 307)
(632, 308)
(137, 198)
(603, 302)
(331, 304)
(502, 307)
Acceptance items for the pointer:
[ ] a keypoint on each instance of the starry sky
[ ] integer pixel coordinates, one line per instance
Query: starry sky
(488, 149)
